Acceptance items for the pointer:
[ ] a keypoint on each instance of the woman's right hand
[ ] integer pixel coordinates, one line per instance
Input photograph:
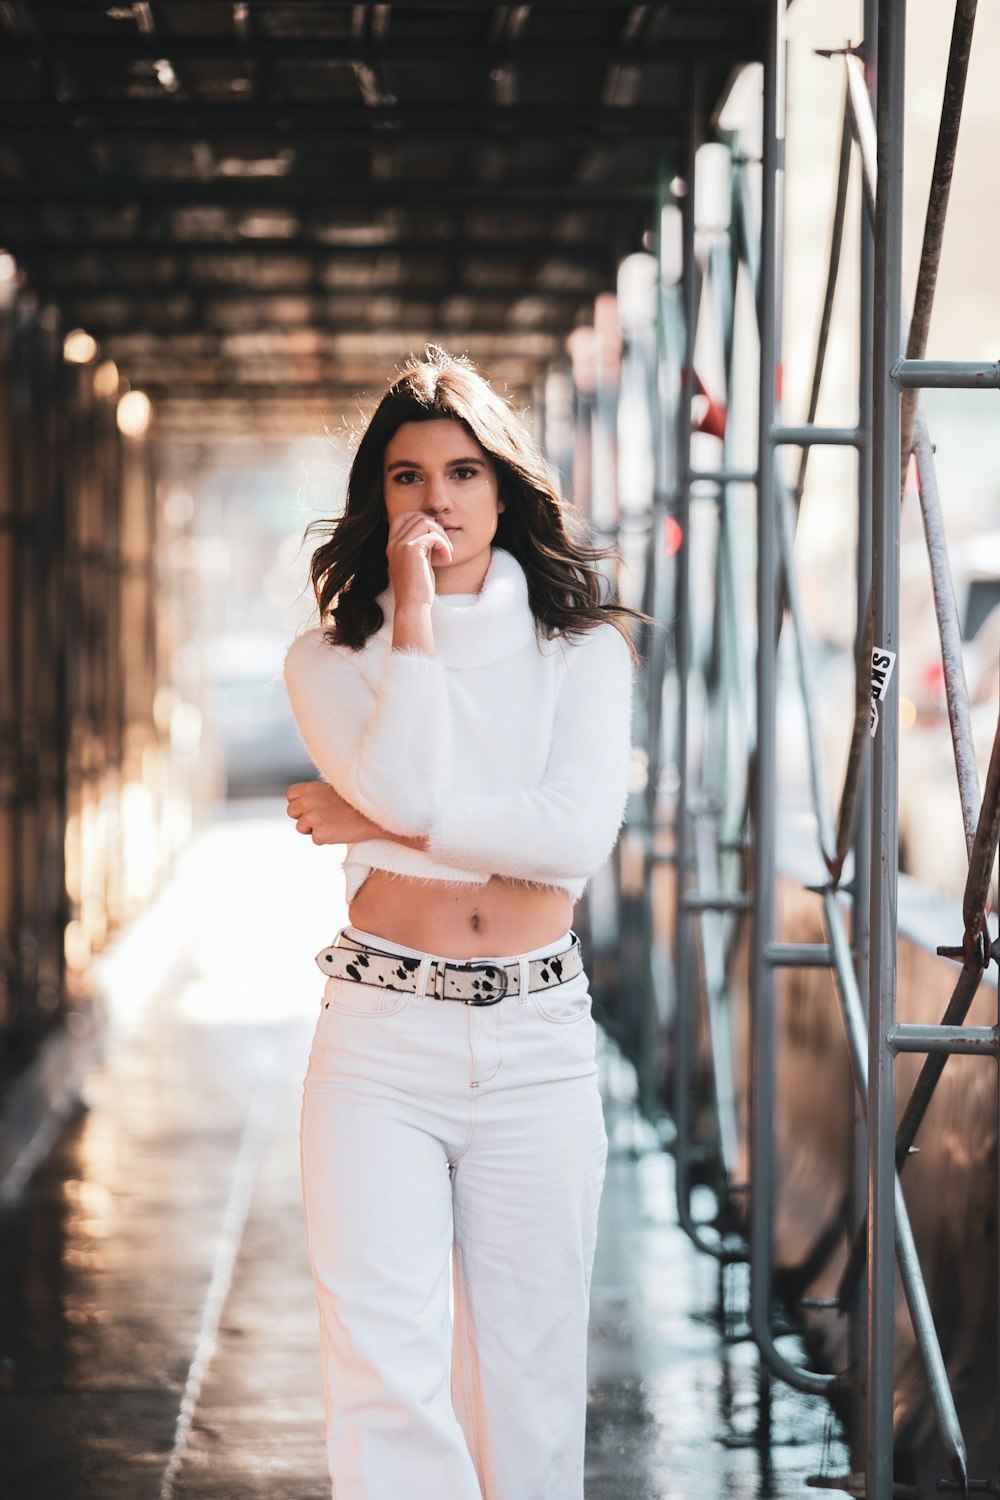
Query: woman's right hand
(328, 818)
(414, 538)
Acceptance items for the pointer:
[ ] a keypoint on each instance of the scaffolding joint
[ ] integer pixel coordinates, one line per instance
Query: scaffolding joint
(975, 950)
(849, 49)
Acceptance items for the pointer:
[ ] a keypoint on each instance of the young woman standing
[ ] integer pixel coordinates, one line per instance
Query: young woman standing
(467, 700)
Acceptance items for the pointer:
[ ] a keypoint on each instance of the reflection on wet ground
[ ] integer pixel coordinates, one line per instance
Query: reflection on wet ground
(157, 1325)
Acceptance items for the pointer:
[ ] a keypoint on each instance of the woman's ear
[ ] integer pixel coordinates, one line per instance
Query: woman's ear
(501, 505)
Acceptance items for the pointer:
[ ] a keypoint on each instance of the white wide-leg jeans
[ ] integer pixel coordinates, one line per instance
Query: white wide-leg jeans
(429, 1126)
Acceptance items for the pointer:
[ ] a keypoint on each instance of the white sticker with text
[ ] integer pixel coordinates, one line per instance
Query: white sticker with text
(883, 662)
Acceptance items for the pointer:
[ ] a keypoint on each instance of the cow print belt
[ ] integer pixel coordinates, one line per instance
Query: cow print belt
(474, 982)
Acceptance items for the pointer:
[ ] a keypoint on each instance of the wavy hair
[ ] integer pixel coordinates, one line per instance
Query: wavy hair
(567, 591)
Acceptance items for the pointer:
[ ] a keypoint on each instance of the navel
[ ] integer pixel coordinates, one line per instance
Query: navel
(474, 919)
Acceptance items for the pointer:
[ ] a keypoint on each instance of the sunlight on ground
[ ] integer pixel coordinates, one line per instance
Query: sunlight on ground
(232, 938)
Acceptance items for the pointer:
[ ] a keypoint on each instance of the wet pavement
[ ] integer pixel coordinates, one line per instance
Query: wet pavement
(158, 1336)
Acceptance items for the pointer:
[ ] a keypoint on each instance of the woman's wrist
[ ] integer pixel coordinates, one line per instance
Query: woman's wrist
(412, 629)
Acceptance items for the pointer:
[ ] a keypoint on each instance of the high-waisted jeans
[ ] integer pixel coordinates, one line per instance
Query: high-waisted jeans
(437, 1132)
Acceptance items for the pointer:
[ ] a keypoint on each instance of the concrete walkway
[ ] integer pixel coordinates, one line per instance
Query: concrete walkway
(157, 1325)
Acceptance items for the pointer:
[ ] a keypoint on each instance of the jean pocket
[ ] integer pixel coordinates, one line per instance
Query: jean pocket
(564, 1002)
(349, 998)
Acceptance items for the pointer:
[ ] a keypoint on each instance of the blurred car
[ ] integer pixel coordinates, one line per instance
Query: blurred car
(249, 716)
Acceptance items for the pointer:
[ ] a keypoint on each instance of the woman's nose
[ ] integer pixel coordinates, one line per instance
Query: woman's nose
(436, 497)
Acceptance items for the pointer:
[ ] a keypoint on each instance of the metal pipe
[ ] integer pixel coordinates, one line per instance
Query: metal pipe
(950, 631)
(937, 202)
(903, 1243)
(946, 1040)
(739, 901)
(806, 678)
(724, 476)
(984, 848)
(812, 436)
(833, 268)
(861, 821)
(799, 955)
(861, 116)
(857, 753)
(946, 374)
(859, 110)
(913, 1114)
(719, 1028)
(762, 982)
(882, 1186)
(746, 236)
(687, 997)
(955, 689)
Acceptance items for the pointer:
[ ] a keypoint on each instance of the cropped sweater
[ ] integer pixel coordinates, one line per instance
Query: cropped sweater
(510, 752)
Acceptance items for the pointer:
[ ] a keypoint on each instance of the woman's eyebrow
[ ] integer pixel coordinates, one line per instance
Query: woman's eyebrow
(408, 463)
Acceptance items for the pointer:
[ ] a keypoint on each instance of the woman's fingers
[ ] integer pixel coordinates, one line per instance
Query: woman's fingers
(311, 801)
(412, 520)
(417, 529)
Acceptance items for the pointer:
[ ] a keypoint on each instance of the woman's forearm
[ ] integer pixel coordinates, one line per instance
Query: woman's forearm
(412, 841)
(412, 630)
(328, 818)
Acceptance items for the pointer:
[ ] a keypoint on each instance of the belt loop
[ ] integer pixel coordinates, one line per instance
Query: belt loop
(423, 974)
(524, 965)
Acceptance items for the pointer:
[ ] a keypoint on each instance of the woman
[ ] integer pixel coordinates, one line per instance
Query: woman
(468, 705)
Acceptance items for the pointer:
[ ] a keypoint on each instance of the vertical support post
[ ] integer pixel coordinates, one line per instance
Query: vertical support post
(886, 423)
(685, 971)
(861, 899)
(762, 978)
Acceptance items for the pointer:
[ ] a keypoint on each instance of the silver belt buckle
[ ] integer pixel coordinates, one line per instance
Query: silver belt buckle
(441, 972)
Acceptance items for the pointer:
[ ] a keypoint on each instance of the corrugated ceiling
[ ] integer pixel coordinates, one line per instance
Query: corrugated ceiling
(259, 199)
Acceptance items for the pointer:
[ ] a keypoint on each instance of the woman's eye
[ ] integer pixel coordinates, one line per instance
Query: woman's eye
(405, 476)
(466, 473)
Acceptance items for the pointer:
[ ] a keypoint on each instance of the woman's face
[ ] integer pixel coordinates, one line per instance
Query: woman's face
(439, 469)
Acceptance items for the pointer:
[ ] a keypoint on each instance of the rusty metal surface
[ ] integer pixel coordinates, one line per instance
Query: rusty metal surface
(947, 1184)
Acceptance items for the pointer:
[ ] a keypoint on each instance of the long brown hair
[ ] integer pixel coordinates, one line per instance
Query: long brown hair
(566, 589)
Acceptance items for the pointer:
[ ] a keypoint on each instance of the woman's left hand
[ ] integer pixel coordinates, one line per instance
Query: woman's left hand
(322, 813)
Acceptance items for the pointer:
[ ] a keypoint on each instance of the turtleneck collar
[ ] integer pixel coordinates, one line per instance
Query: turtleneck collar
(496, 623)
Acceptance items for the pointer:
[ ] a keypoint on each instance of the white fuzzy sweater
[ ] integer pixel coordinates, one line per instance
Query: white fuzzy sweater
(509, 751)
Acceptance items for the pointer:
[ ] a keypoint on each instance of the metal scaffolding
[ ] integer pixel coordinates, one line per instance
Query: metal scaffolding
(724, 853)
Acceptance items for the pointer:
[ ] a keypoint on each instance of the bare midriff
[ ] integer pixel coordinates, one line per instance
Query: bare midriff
(461, 921)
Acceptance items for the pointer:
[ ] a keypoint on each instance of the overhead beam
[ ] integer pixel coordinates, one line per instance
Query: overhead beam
(705, 49)
(349, 370)
(319, 299)
(328, 391)
(582, 252)
(167, 369)
(347, 124)
(300, 192)
(590, 7)
(317, 304)
(428, 328)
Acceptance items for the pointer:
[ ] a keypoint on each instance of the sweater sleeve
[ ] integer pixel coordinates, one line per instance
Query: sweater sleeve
(385, 748)
(567, 826)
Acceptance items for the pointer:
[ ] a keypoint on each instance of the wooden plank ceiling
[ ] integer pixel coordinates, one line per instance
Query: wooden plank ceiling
(259, 199)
